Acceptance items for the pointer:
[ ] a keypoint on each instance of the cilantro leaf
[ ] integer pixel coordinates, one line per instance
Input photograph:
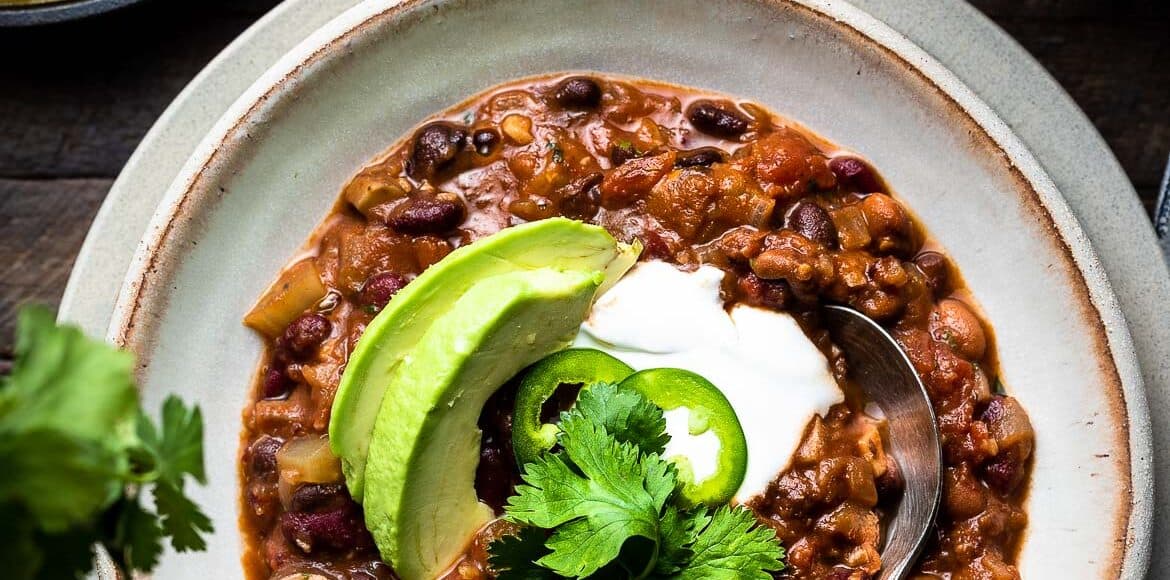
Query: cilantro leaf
(734, 545)
(514, 557)
(62, 380)
(595, 494)
(625, 414)
(678, 532)
(59, 479)
(181, 518)
(78, 451)
(18, 547)
(603, 505)
(179, 449)
(67, 555)
(137, 536)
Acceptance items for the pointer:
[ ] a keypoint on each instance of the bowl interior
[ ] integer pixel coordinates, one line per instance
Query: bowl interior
(272, 169)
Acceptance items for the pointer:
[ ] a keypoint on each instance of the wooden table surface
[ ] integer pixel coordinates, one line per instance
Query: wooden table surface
(76, 98)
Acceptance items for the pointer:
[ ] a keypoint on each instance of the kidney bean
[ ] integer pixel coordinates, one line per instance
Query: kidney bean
(380, 288)
(339, 530)
(578, 93)
(717, 120)
(427, 215)
(581, 198)
(262, 457)
(276, 383)
(854, 173)
(305, 333)
(704, 157)
(757, 291)
(485, 140)
(813, 222)
(316, 497)
(1005, 471)
(435, 147)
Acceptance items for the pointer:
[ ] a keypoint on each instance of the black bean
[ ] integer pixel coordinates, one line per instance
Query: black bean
(855, 174)
(717, 120)
(304, 334)
(485, 140)
(380, 288)
(578, 93)
(427, 215)
(622, 152)
(705, 157)
(316, 497)
(813, 222)
(581, 198)
(262, 457)
(435, 147)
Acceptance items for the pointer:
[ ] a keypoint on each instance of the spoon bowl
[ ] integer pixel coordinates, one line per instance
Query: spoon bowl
(879, 366)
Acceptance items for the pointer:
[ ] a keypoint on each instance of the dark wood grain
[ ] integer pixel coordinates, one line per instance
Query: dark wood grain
(1113, 58)
(76, 98)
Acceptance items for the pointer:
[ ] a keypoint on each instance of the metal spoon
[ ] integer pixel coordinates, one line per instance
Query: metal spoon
(887, 377)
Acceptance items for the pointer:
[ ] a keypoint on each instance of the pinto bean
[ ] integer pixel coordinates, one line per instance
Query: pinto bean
(718, 119)
(435, 147)
(935, 267)
(884, 215)
(954, 323)
(625, 183)
(963, 495)
(813, 222)
(578, 93)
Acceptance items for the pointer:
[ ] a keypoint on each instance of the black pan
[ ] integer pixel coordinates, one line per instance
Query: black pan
(57, 11)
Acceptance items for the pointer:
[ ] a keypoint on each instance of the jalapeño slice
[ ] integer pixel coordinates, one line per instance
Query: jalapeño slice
(575, 366)
(688, 397)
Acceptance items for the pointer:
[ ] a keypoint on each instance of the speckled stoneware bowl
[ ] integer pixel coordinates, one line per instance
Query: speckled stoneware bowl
(271, 168)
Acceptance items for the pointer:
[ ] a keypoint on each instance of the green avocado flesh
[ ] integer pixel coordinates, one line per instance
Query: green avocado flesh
(557, 243)
(420, 500)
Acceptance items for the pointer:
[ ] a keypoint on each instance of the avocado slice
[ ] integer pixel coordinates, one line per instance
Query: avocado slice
(558, 243)
(420, 501)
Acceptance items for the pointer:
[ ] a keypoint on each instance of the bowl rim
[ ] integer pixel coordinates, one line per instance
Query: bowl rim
(1130, 411)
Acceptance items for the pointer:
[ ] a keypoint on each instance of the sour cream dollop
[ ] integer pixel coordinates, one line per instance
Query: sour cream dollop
(772, 374)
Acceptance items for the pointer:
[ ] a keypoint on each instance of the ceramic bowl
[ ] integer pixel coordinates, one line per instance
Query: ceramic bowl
(271, 168)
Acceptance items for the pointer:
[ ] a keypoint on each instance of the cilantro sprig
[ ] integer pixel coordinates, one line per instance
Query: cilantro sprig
(604, 505)
(80, 458)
